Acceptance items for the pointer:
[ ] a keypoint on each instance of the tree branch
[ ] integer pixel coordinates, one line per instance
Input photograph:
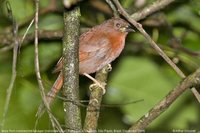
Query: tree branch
(192, 80)
(159, 4)
(71, 69)
(6, 40)
(42, 34)
(93, 109)
(15, 43)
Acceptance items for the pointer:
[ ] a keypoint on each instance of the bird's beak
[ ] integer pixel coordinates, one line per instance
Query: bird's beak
(129, 29)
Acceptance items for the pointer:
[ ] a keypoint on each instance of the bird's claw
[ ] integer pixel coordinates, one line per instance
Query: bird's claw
(92, 101)
(96, 83)
(100, 85)
(109, 68)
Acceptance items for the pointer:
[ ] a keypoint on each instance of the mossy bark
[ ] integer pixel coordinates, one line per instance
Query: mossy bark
(71, 70)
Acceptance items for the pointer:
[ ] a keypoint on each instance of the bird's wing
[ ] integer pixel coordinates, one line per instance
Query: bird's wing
(90, 43)
(93, 44)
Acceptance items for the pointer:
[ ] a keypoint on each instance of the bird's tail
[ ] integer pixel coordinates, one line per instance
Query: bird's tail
(51, 95)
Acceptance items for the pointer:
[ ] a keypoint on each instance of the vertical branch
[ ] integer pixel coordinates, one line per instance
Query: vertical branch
(71, 69)
(14, 63)
(37, 67)
(54, 122)
(93, 109)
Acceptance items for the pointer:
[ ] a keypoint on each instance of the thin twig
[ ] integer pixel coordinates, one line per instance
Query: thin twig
(14, 63)
(80, 103)
(54, 122)
(25, 34)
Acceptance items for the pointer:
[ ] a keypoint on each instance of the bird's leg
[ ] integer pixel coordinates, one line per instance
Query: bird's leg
(101, 85)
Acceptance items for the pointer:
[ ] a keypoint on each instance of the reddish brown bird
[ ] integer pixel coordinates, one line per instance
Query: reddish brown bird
(98, 47)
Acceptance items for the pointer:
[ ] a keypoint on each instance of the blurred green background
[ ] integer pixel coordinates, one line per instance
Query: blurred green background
(138, 74)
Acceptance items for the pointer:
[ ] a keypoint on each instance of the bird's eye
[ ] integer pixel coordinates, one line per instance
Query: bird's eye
(118, 25)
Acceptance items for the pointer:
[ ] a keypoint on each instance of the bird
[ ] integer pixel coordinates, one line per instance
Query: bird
(98, 47)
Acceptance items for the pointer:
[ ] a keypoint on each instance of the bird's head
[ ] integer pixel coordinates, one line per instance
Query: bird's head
(120, 25)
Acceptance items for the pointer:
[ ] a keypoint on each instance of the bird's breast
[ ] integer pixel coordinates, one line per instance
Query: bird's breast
(117, 45)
